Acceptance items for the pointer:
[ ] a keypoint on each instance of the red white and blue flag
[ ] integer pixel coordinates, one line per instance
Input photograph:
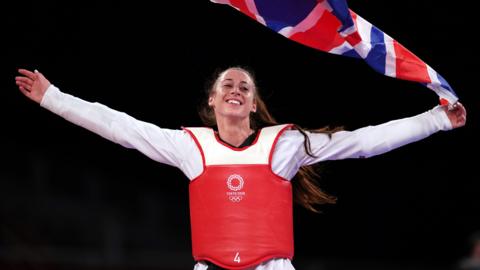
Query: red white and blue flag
(330, 26)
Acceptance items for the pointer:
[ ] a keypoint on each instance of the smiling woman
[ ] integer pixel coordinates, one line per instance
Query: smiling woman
(241, 172)
(232, 99)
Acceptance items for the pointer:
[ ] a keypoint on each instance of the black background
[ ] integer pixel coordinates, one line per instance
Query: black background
(71, 199)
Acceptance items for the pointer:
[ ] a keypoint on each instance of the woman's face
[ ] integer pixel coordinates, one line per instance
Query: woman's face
(233, 95)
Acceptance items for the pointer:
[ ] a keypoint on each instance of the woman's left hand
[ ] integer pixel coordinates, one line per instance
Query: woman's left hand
(457, 114)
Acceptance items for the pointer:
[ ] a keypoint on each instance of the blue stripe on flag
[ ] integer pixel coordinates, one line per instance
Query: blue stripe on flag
(376, 58)
(283, 13)
(445, 84)
(351, 53)
(341, 11)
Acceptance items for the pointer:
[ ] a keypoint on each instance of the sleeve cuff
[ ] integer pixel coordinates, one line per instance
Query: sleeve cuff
(440, 118)
(50, 100)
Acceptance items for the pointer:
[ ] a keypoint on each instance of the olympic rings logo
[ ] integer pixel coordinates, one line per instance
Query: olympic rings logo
(235, 198)
(233, 187)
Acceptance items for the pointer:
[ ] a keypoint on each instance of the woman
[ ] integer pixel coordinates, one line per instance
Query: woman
(240, 191)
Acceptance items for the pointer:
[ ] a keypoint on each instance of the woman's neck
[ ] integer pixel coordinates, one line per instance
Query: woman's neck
(234, 132)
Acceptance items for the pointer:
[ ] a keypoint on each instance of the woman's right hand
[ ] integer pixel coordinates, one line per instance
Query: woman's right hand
(32, 84)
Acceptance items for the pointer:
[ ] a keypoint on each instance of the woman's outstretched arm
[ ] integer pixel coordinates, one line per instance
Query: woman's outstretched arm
(368, 141)
(374, 140)
(163, 145)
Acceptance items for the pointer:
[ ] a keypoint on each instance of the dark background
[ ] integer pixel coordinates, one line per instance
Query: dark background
(70, 199)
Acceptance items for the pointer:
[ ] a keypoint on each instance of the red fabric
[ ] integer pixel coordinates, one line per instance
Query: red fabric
(241, 228)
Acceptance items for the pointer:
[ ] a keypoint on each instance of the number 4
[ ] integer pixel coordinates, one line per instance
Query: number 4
(237, 258)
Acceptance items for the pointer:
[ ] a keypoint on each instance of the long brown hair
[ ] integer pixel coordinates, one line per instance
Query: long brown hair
(306, 191)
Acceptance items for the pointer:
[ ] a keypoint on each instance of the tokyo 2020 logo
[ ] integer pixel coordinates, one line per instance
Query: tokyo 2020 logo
(235, 183)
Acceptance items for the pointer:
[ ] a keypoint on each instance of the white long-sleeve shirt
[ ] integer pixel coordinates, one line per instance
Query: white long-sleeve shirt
(177, 148)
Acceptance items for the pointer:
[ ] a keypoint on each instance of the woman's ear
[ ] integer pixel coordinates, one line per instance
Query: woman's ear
(210, 101)
(254, 106)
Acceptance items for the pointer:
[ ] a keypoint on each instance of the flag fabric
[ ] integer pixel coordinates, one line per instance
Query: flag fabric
(330, 26)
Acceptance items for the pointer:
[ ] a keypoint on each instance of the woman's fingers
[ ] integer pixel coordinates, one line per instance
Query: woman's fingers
(460, 114)
(25, 83)
(24, 79)
(21, 83)
(24, 91)
(27, 73)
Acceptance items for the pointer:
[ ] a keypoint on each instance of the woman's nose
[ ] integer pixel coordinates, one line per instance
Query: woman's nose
(235, 89)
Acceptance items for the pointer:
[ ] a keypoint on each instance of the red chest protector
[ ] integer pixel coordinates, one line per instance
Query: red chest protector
(240, 211)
